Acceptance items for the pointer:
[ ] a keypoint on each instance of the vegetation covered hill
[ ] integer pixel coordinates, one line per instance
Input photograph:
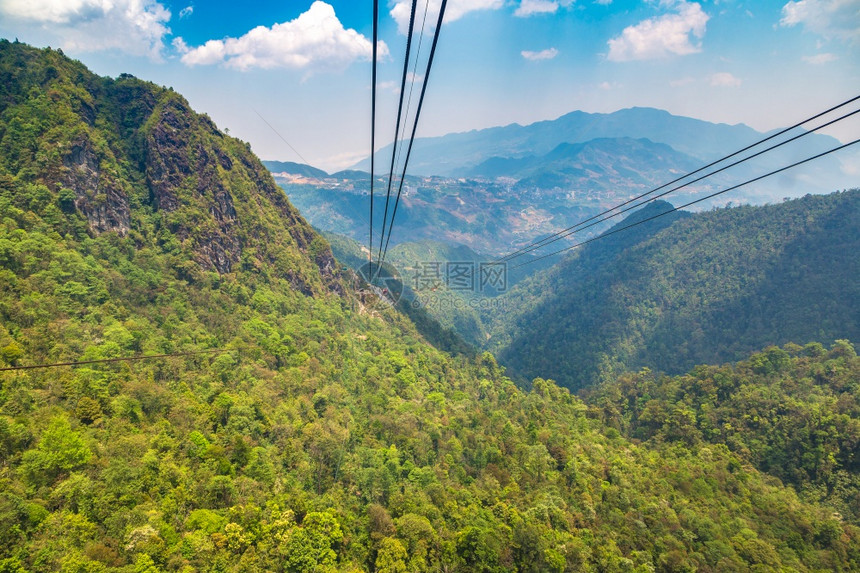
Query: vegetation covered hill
(133, 159)
(708, 288)
(793, 412)
(328, 435)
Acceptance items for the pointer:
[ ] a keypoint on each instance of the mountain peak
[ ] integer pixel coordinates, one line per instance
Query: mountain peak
(134, 159)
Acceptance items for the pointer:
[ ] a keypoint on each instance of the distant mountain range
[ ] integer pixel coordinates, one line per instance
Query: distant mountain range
(595, 168)
(294, 169)
(457, 153)
(497, 189)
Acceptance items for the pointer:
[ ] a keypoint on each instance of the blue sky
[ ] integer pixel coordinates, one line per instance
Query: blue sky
(304, 65)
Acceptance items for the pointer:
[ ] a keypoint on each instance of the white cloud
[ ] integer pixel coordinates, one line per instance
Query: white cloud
(186, 12)
(456, 9)
(340, 161)
(681, 82)
(832, 19)
(315, 38)
(394, 86)
(530, 7)
(179, 45)
(55, 11)
(136, 27)
(819, 59)
(724, 79)
(667, 35)
(390, 85)
(547, 54)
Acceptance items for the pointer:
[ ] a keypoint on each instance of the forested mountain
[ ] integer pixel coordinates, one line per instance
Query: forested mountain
(325, 434)
(793, 412)
(708, 288)
(134, 160)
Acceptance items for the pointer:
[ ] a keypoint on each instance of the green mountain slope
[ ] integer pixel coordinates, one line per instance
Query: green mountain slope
(794, 413)
(328, 435)
(135, 160)
(707, 289)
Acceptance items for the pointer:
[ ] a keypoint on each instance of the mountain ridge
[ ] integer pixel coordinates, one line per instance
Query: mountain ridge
(672, 300)
(294, 168)
(592, 168)
(706, 141)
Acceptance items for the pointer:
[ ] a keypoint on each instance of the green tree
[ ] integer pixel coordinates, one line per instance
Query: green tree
(59, 451)
(311, 546)
(391, 556)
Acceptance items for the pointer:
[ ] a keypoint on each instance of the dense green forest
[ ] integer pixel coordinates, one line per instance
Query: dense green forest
(326, 434)
(683, 290)
(793, 412)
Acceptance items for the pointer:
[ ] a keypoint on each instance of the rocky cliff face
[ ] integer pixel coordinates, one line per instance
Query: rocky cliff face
(180, 169)
(128, 151)
(99, 199)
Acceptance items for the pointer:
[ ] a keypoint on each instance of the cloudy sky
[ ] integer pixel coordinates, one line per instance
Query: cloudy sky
(303, 66)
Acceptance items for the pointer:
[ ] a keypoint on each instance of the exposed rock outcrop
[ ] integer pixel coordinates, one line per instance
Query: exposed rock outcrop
(101, 200)
(182, 172)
